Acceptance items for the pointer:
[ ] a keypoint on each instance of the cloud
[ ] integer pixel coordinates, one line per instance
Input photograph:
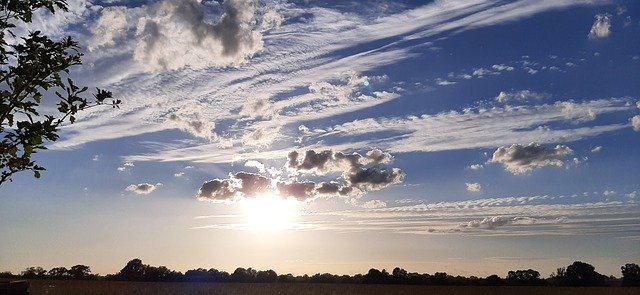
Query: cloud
(261, 136)
(301, 52)
(126, 166)
(176, 33)
(520, 159)
(299, 190)
(596, 149)
(374, 178)
(142, 188)
(335, 189)
(443, 82)
(346, 88)
(357, 178)
(477, 127)
(504, 216)
(373, 204)
(271, 20)
(179, 174)
(573, 111)
(609, 193)
(196, 127)
(635, 122)
(377, 156)
(256, 164)
(601, 27)
(111, 25)
(476, 166)
(249, 185)
(522, 95)
(258, 108)
(474, 187)
(327, 161)
(502, 67)
(482, 72)
(238, 185)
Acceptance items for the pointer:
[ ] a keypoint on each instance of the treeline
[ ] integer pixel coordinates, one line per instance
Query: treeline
(577, 274)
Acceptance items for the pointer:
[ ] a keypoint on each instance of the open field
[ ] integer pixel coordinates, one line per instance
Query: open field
(104, 287)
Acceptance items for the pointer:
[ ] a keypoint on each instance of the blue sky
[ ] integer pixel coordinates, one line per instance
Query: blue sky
(472, 137)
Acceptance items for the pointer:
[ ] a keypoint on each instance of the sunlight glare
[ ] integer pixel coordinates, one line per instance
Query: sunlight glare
(269, 212)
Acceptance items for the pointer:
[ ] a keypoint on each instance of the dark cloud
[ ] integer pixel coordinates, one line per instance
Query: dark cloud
(379, 157)
(142, 188)
(252, 184)
(328, 161)
(299, 190)
(519, 159)
(336, 189)
(217, 190)
(374, 178)
(241, 184)
(356, 178)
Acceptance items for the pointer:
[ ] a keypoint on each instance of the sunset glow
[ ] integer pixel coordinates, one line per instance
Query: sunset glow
(472, 137)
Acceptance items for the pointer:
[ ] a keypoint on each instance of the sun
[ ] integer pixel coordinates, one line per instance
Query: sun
(269, 212)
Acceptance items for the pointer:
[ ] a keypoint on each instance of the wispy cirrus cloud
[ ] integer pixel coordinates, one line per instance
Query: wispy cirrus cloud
(506, 216)
(295, 55)
(471, 128)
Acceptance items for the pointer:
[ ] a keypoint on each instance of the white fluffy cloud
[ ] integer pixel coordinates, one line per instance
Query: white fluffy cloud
(522, 95)
(176, 33)
(520, 159)
(111, 25)
(271, 20)
(126, 166)
(502, 67)
(474, 187)
(635, 122)
(142, 188)
(601, 27)
(476, 166)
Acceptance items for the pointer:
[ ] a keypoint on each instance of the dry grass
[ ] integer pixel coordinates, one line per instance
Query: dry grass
(101, 287)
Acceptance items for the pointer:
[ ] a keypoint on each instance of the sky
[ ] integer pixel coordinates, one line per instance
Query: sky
(472, 137)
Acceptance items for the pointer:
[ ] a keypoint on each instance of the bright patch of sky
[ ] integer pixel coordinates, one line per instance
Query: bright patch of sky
(513, 125)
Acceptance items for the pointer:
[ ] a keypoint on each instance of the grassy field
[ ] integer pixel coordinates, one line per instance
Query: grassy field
(101, 287)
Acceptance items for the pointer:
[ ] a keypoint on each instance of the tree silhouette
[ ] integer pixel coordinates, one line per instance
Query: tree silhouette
(582, 274)
(58, 272)
(133, 271)
(80, 272)
(631, 275)
(494, 280)
(527, 277)
(33, 272)
(33, 68)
